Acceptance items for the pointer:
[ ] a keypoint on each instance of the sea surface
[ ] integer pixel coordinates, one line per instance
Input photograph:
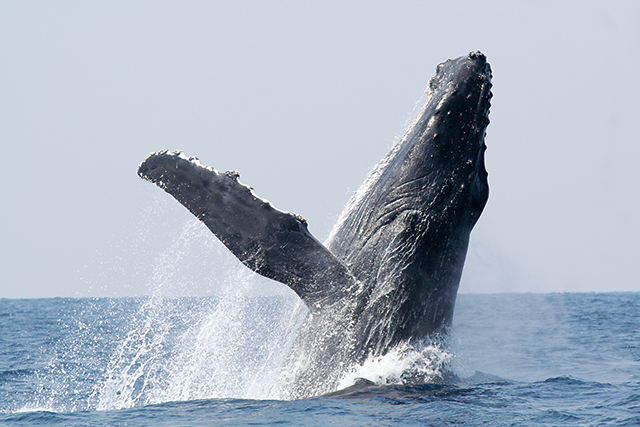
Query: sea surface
(510, 359)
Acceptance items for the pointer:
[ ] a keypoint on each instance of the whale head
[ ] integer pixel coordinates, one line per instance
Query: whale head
(449, 134)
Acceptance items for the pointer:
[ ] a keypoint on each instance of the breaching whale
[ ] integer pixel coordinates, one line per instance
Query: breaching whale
(390, 269)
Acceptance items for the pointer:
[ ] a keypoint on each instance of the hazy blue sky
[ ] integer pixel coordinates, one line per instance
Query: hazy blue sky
(303, 99)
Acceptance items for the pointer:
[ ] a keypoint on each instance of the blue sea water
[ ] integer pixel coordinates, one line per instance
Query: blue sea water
(518, 360)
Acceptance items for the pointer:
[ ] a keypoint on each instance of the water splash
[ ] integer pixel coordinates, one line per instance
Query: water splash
(234, 351)
(231, 345)
(405, 364)
(234, 344)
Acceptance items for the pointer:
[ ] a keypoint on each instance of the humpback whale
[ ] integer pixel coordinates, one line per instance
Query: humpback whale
(390, 270)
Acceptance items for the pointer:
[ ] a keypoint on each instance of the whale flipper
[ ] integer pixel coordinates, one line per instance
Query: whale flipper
(271, 242)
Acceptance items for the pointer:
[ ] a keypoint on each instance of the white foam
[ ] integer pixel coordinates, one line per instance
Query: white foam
(402, 365)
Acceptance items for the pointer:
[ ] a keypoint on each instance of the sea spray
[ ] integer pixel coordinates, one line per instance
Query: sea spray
(137, 364)
(235, 350)
(230, 345)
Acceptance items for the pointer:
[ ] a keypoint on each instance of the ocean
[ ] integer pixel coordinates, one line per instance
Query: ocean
(510, 360)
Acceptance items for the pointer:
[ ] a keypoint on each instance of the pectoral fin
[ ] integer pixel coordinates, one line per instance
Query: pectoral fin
(271, 242)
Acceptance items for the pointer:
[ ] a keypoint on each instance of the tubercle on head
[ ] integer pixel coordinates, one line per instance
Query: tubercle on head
(477, 54)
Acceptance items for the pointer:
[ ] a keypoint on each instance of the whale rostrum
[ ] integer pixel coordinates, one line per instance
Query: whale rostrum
(390, 269)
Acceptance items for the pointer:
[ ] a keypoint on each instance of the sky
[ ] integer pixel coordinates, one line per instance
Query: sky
(303, 99)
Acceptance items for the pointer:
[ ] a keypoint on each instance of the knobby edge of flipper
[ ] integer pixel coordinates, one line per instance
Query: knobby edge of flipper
(271, 242)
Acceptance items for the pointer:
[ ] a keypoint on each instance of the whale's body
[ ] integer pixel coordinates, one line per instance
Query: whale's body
(390, 269)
